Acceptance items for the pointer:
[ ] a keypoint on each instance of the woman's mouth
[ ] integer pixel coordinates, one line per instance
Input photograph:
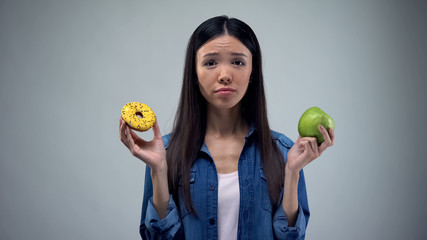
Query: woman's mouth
(225, 91)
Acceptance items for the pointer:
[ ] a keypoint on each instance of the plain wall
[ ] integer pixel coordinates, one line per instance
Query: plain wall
(68, 67)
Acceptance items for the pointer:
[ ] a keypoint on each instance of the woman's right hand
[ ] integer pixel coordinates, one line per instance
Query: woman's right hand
(152, 152)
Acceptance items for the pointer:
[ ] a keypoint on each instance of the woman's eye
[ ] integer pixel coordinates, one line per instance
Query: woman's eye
(238, 63)
(210, 63)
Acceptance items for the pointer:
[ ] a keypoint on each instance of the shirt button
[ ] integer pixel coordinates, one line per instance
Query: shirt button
(246, 183)
(212, 221)
(212, 188)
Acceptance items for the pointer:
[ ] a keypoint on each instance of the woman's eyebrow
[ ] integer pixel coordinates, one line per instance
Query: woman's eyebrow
(210, 54)
(239, 54)
(217, 54)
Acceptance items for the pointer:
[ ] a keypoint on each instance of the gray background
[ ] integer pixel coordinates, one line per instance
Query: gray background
(68, 67)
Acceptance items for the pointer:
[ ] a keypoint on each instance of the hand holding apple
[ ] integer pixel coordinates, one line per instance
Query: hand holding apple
(316, 130)
(311, 119)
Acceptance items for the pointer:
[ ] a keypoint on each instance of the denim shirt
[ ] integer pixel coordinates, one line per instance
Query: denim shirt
(258, 217)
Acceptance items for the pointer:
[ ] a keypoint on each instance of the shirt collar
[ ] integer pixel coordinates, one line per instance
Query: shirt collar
(251, 131)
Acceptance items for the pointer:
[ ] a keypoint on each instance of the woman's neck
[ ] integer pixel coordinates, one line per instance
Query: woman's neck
(225, 122)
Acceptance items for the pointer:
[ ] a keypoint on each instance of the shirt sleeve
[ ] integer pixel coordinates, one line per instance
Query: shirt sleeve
(166, 228)
(152, 227)
(282, 230)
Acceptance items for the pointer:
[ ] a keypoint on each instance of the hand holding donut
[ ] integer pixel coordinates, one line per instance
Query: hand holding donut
(152, 152)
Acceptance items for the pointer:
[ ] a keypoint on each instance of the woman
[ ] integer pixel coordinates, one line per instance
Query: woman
(221, 173)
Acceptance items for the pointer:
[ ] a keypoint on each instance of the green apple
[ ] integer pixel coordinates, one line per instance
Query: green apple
(311, 119)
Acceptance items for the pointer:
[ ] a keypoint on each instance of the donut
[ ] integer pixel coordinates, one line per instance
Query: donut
(138, 116)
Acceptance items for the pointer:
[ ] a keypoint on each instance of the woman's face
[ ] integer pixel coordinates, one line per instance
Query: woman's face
(223, 66)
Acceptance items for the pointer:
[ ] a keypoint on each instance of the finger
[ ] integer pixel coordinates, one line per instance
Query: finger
(120, 125)
(129, 138)
(314, 147)
(136, 138)
(324, 133)
(298, 141)
(307, 139)
(122, 131)
(307, 150)
(311, 145)
(332, 135)
(303, 142)
(327, 140)
(136, 144)
(156, 131)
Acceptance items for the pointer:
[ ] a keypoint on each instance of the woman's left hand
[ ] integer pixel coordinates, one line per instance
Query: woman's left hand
(306, 149)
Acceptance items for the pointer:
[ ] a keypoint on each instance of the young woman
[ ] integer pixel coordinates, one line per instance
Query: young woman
(222, 173)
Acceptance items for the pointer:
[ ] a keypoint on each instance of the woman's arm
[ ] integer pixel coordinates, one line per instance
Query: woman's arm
(304, 151)
(290, 196)
(160, 218)
(152, 226)
(152, 153)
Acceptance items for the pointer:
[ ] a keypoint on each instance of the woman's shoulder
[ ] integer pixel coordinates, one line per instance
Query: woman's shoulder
(166, 140)
(282, 139)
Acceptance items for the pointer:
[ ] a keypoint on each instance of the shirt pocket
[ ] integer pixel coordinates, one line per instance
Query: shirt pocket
(265, 197)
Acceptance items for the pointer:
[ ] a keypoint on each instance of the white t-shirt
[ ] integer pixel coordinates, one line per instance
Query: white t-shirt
(228, 205)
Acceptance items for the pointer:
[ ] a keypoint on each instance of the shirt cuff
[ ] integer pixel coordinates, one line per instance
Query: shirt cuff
(166, 227)
(282, 230)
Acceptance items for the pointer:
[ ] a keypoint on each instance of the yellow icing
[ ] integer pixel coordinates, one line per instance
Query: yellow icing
(129, 114)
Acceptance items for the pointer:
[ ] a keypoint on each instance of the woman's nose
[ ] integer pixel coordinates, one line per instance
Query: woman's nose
(225, 80)
(225, 76)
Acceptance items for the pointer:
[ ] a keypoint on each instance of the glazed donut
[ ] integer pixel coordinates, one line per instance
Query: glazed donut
(138, 116)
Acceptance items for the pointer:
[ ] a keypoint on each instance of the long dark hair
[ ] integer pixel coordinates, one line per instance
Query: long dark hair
(190, 121)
